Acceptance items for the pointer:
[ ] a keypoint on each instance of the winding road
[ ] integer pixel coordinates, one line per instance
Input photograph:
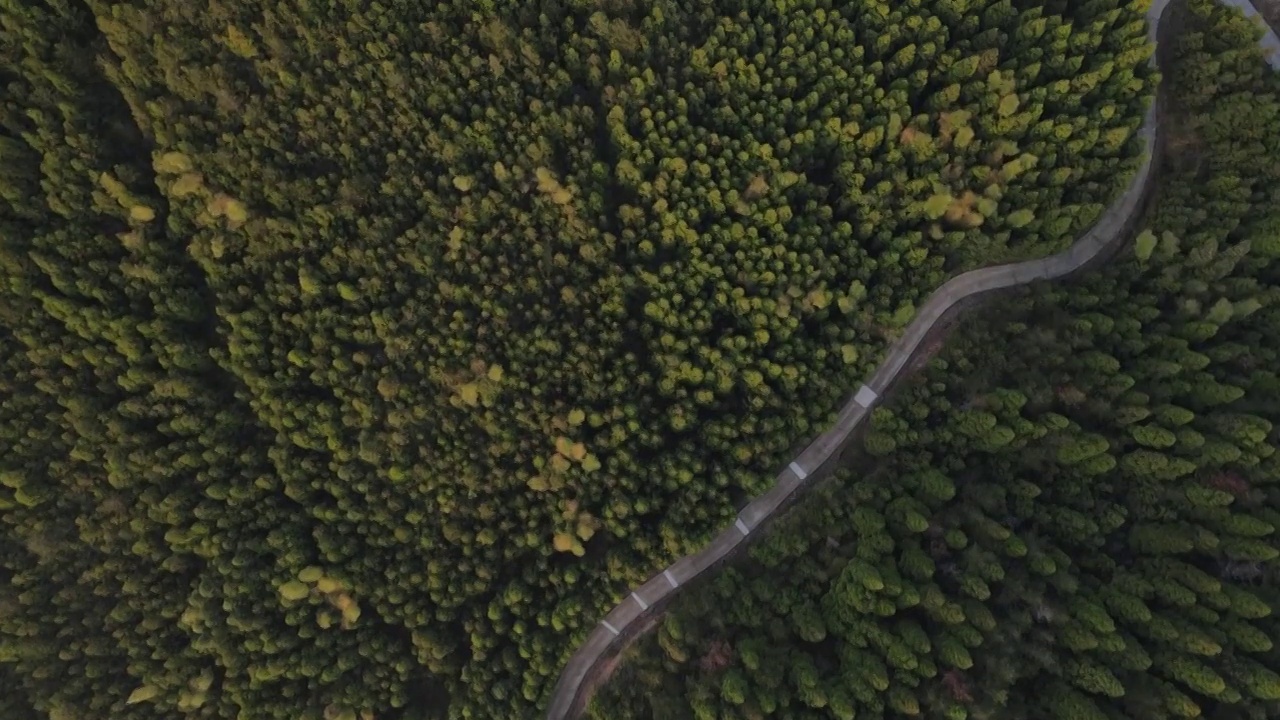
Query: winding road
(626, 622)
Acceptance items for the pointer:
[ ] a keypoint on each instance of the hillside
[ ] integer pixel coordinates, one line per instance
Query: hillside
(357, 355)
(1080, 528)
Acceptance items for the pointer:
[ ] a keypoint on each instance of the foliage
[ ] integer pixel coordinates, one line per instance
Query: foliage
(1114, 555)
(357, 355)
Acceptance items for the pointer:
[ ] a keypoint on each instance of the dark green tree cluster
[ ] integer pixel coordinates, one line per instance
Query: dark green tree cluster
(356, 355)
(1086, 529)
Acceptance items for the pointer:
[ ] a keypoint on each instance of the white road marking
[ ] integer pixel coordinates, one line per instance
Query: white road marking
(866, 397)
(639, 601)
(742, 527)
(799, 471)
(609, 627)
(670, 578)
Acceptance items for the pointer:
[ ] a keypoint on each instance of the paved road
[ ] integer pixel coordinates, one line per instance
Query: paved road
(618, 628)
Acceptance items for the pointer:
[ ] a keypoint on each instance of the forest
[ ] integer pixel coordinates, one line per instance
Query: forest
(356, 355)
(1082, 527)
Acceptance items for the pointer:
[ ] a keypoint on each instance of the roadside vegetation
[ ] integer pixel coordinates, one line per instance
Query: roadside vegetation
(1072, 513)
(357, 355)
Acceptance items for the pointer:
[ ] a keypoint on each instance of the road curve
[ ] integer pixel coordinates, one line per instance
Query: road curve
(618, 628)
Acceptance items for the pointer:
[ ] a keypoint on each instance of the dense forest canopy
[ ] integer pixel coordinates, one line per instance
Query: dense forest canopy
(1082, 528)
(356, 354)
